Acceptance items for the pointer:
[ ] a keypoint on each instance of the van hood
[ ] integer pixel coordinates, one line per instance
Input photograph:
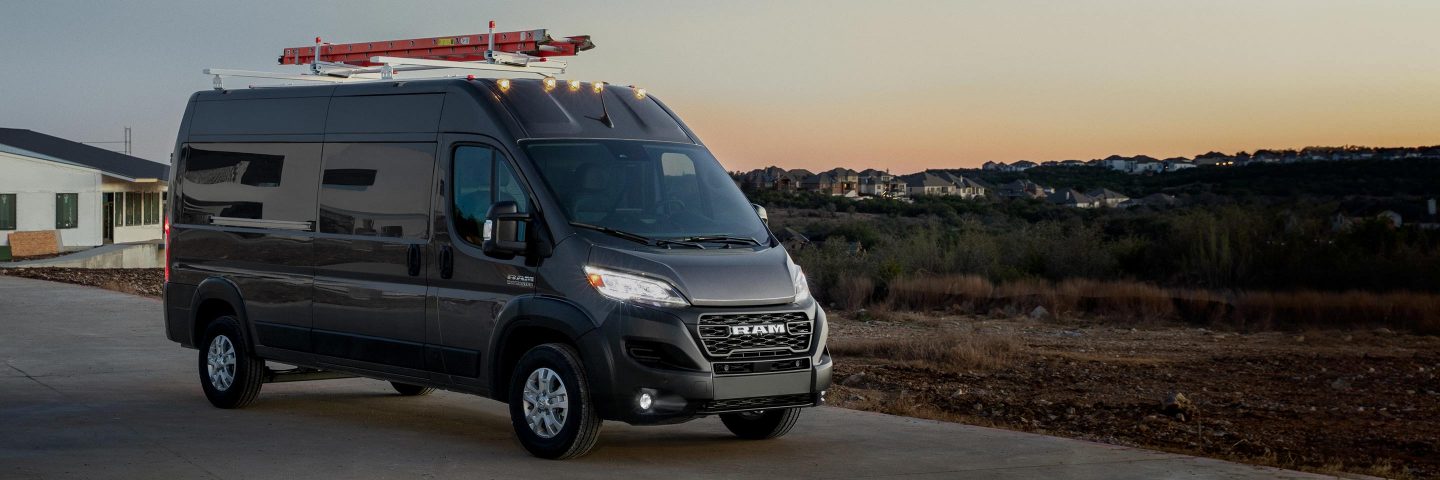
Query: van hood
(711, 278)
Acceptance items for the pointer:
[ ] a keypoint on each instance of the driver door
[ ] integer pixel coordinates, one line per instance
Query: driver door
(469, 289)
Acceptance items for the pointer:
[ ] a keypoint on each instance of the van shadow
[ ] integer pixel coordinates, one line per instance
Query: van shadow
(482, 424)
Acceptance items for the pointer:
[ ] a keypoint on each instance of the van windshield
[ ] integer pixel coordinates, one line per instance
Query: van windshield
(663, 191)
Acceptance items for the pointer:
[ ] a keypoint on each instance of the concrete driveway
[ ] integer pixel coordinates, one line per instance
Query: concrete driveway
(91, 388)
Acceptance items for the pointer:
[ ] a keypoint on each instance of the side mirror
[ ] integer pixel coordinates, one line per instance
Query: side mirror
(759, 210)
(503, 231)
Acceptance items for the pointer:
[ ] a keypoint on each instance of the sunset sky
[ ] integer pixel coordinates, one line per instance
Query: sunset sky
(899, 85)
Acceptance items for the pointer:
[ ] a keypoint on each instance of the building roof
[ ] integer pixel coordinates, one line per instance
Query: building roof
(52, 148)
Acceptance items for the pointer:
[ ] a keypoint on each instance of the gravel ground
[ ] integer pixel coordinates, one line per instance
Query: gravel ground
(1327, 401)
(139, 281)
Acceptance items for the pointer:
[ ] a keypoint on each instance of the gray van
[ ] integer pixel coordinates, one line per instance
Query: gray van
(571, 249)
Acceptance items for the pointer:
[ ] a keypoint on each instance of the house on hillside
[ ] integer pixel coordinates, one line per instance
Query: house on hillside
(926, 183)
(1175, 164)
(1071, 198)
(88, 195)
(1022, 189)
(769, 178)
(1105, 197)
(1214, 159)
(880, 184)
(1023, 165)
(837, 181)
(1146, 164)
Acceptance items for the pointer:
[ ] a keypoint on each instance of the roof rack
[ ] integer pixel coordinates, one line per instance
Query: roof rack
(525, 52)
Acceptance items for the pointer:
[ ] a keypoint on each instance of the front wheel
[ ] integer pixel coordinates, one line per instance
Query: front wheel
(550, 406)
(761, 424)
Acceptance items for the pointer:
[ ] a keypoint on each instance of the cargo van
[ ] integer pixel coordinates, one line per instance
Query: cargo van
(569, 248)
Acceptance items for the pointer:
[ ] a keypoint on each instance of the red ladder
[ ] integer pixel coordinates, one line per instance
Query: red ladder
(458, 48)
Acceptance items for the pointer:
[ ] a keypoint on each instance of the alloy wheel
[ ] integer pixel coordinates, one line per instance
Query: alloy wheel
(546, 402)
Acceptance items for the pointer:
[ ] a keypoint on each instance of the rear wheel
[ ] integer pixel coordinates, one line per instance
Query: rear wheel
(761, 424)
(409, 390)
(230, 376)
(550, 406)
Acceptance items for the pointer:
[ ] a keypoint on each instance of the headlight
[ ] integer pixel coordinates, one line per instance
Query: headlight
(797, 276)
(631, 288)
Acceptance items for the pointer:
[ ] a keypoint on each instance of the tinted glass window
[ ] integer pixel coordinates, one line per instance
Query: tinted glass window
(482, 177)
(377, 189)
(658, 190)
(263, 181)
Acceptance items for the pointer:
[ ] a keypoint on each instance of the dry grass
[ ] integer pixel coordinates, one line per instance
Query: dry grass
(853, 292)
(1141, 302)
(962, 292)
(1419, 312)
(974, 350)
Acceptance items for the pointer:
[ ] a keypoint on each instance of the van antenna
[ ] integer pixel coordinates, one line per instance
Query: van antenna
(604, 112)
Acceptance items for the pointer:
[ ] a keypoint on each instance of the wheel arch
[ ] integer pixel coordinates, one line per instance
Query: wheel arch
(215, 297)
(526, 322)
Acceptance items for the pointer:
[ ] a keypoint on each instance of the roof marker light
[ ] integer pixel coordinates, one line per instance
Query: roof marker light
(574, 85)
(503, 83)
(598, 86)
(550, 83)
(639, 94)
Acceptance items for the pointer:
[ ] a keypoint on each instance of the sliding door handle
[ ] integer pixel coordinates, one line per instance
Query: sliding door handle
(415, 257)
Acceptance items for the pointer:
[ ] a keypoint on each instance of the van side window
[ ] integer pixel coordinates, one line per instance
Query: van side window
(377, 189)
(261, 181)
(481, 178)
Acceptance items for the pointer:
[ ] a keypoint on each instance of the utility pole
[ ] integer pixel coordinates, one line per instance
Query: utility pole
(126, 143)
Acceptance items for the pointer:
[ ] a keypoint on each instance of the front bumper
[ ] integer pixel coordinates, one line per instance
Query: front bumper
(684, 383)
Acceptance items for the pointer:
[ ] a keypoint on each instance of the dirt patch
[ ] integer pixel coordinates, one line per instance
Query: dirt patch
(1329, 401)
(136, 281)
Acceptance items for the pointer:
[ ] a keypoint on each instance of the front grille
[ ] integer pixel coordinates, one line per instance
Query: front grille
(757, 403)
(717, 338)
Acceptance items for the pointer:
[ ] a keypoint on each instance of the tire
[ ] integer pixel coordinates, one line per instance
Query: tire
(547, 369)
(227, 344)
(761, 424)
(408, 390)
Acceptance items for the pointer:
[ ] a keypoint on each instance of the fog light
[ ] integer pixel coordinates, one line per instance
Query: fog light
(646, 401)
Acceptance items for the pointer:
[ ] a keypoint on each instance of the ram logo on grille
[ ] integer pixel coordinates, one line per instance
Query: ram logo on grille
(757, 329)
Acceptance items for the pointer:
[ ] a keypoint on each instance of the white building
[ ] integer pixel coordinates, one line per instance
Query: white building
(89, 195)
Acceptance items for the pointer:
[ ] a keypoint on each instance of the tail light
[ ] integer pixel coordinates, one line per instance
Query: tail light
(165, 226)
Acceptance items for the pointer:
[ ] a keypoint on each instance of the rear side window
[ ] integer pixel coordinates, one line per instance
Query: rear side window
(481, 178)
(256, 181)
(377, 189)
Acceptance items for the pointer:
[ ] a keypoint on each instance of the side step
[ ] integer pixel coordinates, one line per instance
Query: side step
(301, 374)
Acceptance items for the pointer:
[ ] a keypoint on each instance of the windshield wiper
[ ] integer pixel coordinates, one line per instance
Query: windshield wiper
(635, 237)
(725, 239)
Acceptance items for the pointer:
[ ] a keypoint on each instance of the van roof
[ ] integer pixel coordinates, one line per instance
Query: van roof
(533, 108)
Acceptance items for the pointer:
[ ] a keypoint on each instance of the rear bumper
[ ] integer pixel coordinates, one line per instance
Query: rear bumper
(692, 388)
(179, 321)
